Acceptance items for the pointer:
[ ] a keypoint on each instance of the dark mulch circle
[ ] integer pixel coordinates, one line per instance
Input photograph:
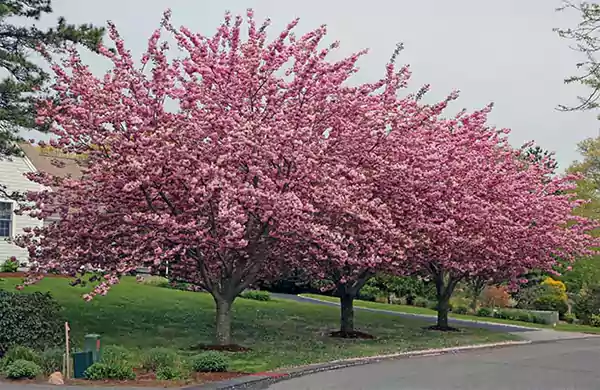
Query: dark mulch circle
(355, 334)
(443, 328)
(223, 348)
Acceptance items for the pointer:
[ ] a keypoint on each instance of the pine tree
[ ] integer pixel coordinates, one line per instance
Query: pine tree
(25, 79)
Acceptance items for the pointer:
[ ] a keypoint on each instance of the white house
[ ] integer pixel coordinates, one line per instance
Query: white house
(12, 175)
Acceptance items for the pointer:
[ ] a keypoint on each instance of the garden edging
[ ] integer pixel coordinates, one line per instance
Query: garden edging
(263, 380)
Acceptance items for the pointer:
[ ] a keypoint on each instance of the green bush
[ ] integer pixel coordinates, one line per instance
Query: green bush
(168, 373)
(114, 355)
(19, 352)
(586, 304)
(551, 302)
(256, 295)
(22, 369)
(156, 281)
(461, 310)
(157, 358)
(570, 318)
(32, 320)
(51, 360)
(369, 293)
(484, 312)
(595, 320)
(101, 371)
(210, 361)
(10, 265)
(422, 302)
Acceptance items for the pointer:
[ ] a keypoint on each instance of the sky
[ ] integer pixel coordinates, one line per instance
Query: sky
(503, 52)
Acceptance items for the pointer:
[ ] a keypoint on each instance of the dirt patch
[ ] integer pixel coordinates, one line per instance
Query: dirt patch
(355, 334)
(144, 380)
(222, 348)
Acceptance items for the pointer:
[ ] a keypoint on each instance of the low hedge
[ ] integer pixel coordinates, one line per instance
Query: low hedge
(531, 316)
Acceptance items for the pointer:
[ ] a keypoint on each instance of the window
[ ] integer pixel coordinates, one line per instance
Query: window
(6, 215)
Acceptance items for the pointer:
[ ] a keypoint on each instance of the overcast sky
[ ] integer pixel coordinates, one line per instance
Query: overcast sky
(492, 51)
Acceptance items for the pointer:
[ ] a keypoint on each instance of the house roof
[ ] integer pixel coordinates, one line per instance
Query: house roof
(49, 160)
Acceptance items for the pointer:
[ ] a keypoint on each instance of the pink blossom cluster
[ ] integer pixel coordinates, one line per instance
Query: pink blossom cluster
(273, 157)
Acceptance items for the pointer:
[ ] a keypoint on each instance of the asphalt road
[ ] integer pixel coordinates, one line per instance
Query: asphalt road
(559, 365)
(426, 318)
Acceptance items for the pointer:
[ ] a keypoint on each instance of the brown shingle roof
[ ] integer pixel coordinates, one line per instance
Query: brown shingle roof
(50, 161)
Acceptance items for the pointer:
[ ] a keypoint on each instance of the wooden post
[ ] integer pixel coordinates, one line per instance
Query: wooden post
(67, 359)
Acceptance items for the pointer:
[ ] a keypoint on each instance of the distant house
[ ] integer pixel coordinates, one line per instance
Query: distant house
(12, 175)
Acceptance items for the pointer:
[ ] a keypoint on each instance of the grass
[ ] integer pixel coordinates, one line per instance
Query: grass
(281, 333)
(422, 310)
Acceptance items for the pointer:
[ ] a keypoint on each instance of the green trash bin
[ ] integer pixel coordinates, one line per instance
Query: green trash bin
(81, 362)
(91, 344)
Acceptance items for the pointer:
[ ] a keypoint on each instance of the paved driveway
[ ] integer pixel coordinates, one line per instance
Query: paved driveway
(559, 365)
(422, 317)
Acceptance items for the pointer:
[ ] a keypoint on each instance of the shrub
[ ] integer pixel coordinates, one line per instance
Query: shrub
(157, 358)
(10, 265)
(51, 360)
(32, 320)
(156, 281)
(100, 371)
(495, 296)
(167, 373)
(210, 361)
(256, 295)
(595, 320)
(461, 310)
(22, 369)
(19, 352)
(422, 302)
(114, 355)
(369, 293)
(557, 286)
(570, 318)
(552, 302)
(587, 303)
(484, 312)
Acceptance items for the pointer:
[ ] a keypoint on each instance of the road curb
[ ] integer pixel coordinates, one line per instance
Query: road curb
(264, 380)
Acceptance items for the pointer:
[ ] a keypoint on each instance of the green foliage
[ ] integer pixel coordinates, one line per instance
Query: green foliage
(595, 320)
(256, 295)
(19, 352)
(101, 371)
(484, 312)
(11, 265)
(423, 302)
(543, 297)
(210, 361)
(552, 302)
(461, 310)
(168, 373)
(407, 286)
(585, 272)
(17, 42)
(157, 281)
(587, 303)
(51, 360)
(114, 355)
(570, 318)
(22, 369)
(369, 293)
(31, 320)
(157, 358)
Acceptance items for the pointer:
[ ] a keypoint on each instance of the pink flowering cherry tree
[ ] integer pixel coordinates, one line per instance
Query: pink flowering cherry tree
(474, 208)
(209, 163)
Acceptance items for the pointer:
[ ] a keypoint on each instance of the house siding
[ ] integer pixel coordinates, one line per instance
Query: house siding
(12, 176)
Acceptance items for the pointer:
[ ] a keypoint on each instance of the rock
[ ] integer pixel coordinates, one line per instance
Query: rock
(56, 379)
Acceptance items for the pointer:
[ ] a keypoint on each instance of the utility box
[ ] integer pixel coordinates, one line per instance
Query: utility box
(81, 362)
(91, 343)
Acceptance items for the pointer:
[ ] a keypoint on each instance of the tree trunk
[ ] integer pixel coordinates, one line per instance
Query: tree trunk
(347, 313)
(223, 336)
(442, 313)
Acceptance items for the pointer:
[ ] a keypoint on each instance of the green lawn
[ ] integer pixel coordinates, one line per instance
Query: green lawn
(422, 310)
(281, 333)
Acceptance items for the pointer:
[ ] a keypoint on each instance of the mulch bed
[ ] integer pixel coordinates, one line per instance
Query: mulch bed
(143, 380)
(355, 334)
(223, 348)
(443, 329)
